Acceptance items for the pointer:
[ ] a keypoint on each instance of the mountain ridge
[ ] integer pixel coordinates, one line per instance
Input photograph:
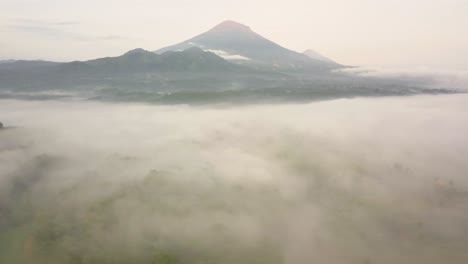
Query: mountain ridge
(140, 60)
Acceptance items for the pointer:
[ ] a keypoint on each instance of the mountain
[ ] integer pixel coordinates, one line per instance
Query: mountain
(238, 43)
(317, 56)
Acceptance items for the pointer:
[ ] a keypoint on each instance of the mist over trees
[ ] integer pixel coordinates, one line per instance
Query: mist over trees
(285, 183)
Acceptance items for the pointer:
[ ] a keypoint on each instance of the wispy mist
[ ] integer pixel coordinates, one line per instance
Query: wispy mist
(343, 181)
(439, 79)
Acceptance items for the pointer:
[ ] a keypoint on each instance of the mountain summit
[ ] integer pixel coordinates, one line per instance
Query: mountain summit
(231, 26)
(238, 43)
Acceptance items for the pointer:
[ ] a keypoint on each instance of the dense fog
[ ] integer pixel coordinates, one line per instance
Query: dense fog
(360, 181)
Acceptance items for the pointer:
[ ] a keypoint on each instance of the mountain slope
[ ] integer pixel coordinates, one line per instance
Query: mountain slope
(317, 56)
(235, 41)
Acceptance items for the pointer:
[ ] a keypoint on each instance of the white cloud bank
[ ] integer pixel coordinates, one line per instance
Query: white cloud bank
(227, 56)
(344, 181)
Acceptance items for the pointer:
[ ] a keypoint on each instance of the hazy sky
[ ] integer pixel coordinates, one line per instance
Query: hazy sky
(411, 33)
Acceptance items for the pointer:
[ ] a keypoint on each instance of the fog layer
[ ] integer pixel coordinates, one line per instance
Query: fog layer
(344, 181)
(438, 79)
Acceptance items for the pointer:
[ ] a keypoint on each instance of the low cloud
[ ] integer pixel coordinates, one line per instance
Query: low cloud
(47, 31)
(27, 21)
(450, 79)
(55, 29)
(344, 181)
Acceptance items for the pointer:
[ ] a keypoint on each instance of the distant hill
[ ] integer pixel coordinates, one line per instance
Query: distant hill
(236, 42)
(6, 61)
(139, 61)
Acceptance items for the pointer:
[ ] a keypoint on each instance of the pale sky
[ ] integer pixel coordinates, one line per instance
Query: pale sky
(411, 33)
